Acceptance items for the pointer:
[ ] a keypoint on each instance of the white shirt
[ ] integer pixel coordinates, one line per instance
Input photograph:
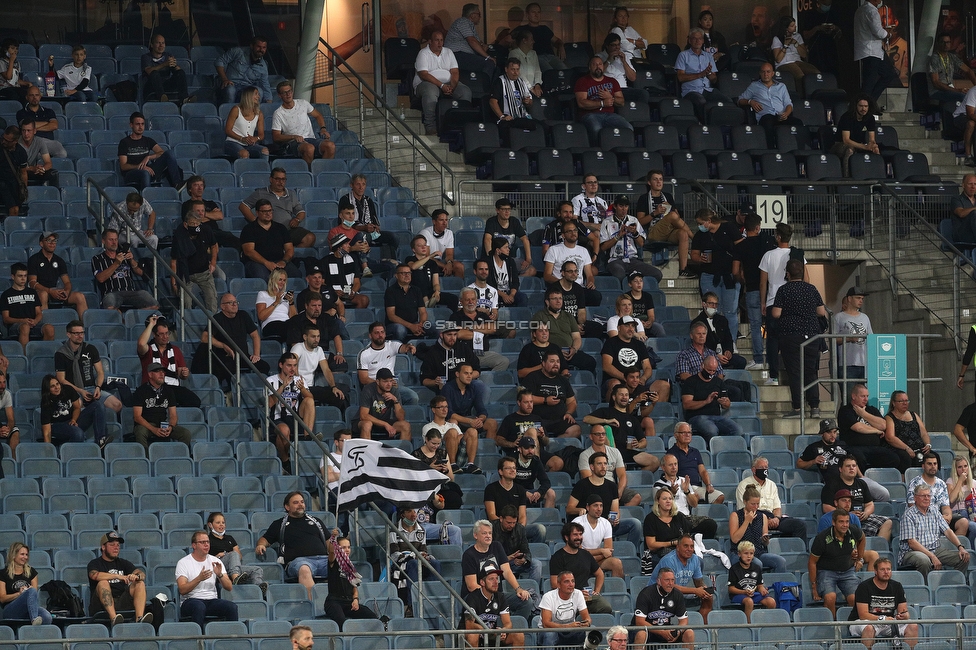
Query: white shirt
(443, 428)
(290, 394)
(768, 493)
(487, 297)
(563, 611)
(774, 264)
(616, 69)
(73, 76)
(594, 537)
(438, 244)
(501, 273)
(791, 54)
(278, 313)
(371, 359)
(626, 248)
(190, 568)
(614, 460)
(968, 100)
(333, 485)
(308, 361)
(561, 253)
(869, 33)
(294, 120)
(626, 36)
(439, 66)
(589, 210)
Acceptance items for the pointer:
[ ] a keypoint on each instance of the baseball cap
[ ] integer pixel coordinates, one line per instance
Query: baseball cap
(449, 326)
(827, 425)
(487, 569)
(337, 240)
(634, 274)
(112, 536)
(312, 268)
(856, 291)
(627, 320)
(747, 207)
(153, 367)
(384, 373)
(840, 494)
(622, 199)
(48, 233)
(526, 442)
(593, 498)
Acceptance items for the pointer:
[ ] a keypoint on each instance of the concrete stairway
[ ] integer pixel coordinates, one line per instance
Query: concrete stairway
(916, 138)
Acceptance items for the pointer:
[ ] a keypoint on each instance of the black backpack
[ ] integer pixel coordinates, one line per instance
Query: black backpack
(62, 601)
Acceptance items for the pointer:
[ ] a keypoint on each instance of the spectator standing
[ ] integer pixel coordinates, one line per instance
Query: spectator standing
(746, 259)
(240, 67)
(797, 307)
(291, 129)
(194, 255)
(870, 38)
(853, 322)
(963, 220)
(163, 78)
(547, 46)
(437, 75)
(197, 576)
(712, 248)
(142, 160)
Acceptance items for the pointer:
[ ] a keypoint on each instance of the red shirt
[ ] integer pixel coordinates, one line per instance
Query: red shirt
(592, 88)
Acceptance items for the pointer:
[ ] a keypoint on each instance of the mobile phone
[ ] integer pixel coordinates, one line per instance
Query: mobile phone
(613, 516)
(124, 247)
(723, 393)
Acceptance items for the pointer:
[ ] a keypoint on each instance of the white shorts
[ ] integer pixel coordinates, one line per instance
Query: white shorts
(881, 630)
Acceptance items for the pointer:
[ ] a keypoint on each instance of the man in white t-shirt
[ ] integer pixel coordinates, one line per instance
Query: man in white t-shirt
(311, 357)
(598, 536)
(440, 239)
(196, 578)
(381, 353)
(588, 206)
(291, 130)
(772, 275)
(569, 251)
(437, 75)
(487, 294)
(560, 609)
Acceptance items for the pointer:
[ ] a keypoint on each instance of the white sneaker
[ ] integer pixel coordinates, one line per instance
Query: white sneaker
(771, 381)
(753, 365)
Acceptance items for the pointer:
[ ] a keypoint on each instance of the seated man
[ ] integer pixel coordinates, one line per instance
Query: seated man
(78, 366)
(926, 541)
(367, 218)
(492, 611)
(695, 69)
(622, 236)
(769, 501)
(113, 270)
(141, 214)
(553, 398)
(581, 565)
(45, 119)
(596, 97)
(480, 554)
(40, 169)
(116, 583)
(528, 469)
(510, 101)
(504, 226)
(689, 580)
(240, 328)
(661, 220)
(154, 411)
(440, 238)
(142, 160)
(197, 576)
(718, 336)
(21, 309)
(267, 245)
(437, 75)
(703, 396)
(691, 464)
(313, 367)
(505, 492)
(479, 326)
(598, 537)
(655, 606)
(406, 308)
(303, 540)
(561, 608)
(466, 408)
(382, 352)
(286, 209)
(587, 235)
(341, 275)
(881, 598)
(770, 101)
(862, 501)
(380, 411)
(291, 130)
(164, 80)
(240, 67)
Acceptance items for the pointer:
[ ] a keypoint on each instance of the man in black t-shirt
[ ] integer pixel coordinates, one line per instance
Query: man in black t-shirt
(655, 606)
(627, 528)
(426, 274)
(486, 552)
(14, 158)
(21, 309)
(862, 430)
(240, 328)
(746, 257)
(554, 398)
(154, 411)
(302, 542)
(406, 308)
(142, 160)
(703, 396)
(213, 214)
(862, 502)
(533, 352)
(116, 583)
(266, 244)
(825, 456)
(571, 557)
(46, 271)
(660, 219)
(491, 609)
(504, 492)
(881, 599)
(627, 429)
(441, 360)
(623, 352)
(856, 133)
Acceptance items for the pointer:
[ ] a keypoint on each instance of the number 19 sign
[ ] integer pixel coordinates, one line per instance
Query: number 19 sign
(772, 209)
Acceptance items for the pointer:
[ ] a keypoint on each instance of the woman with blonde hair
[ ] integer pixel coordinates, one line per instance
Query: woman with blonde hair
(275, 306)
(751, 525)
(961, 487)
(625, 307)
(18, 588)
(245, 127)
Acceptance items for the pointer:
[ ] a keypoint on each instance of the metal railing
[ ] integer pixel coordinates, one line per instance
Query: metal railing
(383, 130)
(956, 633)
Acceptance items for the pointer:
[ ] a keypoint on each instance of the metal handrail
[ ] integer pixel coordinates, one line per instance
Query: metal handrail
(394, 124)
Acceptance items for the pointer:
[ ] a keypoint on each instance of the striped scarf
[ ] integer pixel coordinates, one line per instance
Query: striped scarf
(513, 92)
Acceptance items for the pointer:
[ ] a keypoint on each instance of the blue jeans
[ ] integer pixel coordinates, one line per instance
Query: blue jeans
(837, 582)
(398, 332)
(530, 571)
(629, 529)
(317, 564)
(93, 415)
(562, 639)
(433, 532)
(25, 607)
(84, 95)
(165, 164)
(413, 571)
(753, 305)
(596, 121)
(728, 299)
(709, 426)
(62, 432)
(198, 610)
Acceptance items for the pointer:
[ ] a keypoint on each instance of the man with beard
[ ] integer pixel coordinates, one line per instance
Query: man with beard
(533, 352)
(576, 297)
(563, 331)
(623, 352)
(572, 559)
(596, 97)
(479, 328)
(881, 599)
(528, 470)
(382, 353)
(328, 330)
(303, 540)
(569, 250)
(153, 346)
(553, 397)
(626, 430)
(492, 610)
(441, 361)
(486, 552)
(116, 583)
(552, 234)
(597, 483)
(655, 606)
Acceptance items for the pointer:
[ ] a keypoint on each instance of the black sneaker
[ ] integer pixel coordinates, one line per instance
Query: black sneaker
(264, 589)
(471, 468)
(180, 186)
(118, 619)
(146, 618)
(102, 442)
(685, 273)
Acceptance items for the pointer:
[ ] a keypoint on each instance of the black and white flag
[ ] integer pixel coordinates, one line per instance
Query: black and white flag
(369, 470)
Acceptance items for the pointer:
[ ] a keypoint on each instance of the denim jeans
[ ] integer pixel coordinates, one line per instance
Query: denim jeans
(62, 432)
(25, 607)
(165, 164)
(93, 415)
(755, 324)
(709, 426)
(631, 530)
(199, 610)
(413, 571)
(728, 299)
(433, 532)
(596, 121)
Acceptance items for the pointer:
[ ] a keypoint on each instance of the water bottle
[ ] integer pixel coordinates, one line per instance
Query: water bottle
(50, 78)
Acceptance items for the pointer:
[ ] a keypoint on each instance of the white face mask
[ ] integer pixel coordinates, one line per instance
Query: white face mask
(710, 311)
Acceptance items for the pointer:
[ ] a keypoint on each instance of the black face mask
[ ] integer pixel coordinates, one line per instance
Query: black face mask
(502, 256)
(761, 474)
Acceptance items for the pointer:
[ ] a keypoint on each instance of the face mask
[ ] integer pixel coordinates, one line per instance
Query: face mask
(761, 474)
(703, 228)
(502, 256)
(348, 224)
(710, 311)
(409, 522)
(706, 374)
(216, 534)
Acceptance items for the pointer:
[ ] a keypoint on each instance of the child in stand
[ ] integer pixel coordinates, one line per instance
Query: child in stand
(746, 582)
(76, 77)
